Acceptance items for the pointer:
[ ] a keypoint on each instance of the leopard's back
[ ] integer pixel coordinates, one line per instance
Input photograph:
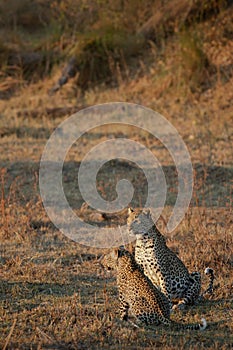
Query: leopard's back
(161, 265)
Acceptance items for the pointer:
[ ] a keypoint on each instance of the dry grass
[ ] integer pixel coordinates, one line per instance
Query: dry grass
(53, 293)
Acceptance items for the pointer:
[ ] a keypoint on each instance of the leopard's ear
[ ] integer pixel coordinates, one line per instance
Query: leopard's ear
(130, 210)
(147, 212)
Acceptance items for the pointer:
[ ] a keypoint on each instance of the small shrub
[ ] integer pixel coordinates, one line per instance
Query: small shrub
(194, 62)
(100, 55)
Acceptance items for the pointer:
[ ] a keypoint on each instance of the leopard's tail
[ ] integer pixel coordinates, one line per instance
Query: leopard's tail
(210, 272)
(198, 326)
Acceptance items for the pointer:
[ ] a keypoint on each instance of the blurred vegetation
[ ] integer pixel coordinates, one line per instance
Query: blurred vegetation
(104, 36)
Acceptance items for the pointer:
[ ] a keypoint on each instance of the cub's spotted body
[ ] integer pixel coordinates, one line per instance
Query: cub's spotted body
(138, 294)
(161, 265)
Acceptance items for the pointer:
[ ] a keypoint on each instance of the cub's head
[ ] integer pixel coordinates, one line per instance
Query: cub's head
(109, 260)
(115, 257)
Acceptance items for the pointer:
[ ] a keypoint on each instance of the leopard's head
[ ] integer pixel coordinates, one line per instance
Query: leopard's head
(139, 224)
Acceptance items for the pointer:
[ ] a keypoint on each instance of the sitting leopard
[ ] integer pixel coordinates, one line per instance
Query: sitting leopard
(138, 294)
(161, 265)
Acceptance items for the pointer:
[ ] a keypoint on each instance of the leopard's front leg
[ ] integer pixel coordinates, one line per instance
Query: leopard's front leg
(124, 308)
(165, 287)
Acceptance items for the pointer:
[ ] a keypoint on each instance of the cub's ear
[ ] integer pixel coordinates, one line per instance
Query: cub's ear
(121, 251)
(114, 254)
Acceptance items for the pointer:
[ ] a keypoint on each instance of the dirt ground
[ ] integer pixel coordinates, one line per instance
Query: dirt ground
(54, 294)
